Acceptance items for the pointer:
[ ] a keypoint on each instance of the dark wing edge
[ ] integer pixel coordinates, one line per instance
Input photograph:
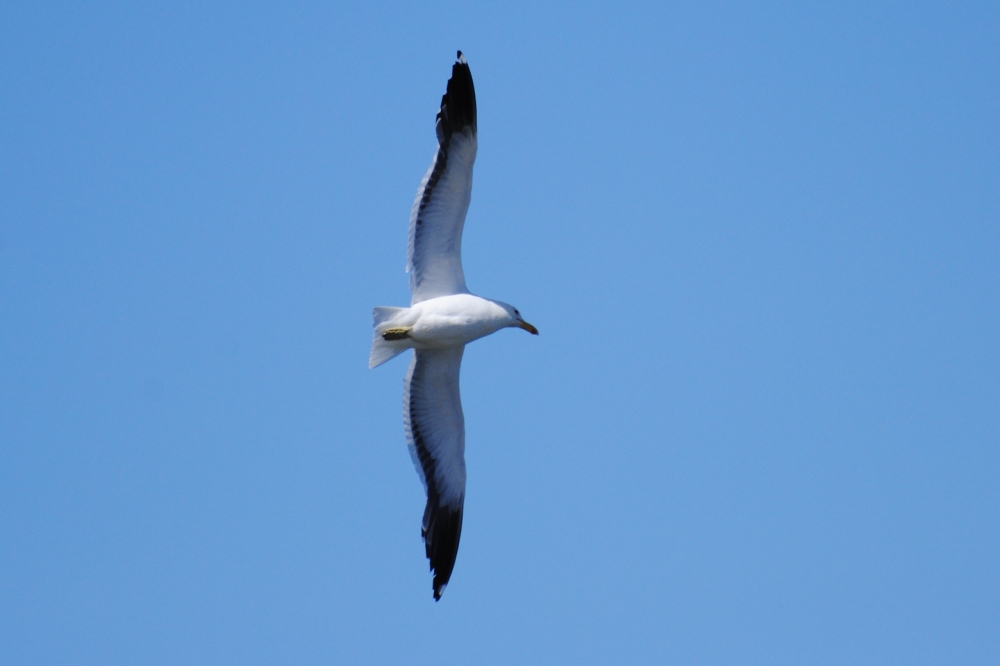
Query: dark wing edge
(458, 104)
(442, 529)
(435, 429)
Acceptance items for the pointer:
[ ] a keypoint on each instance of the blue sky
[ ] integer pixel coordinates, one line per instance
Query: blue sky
(761, 422)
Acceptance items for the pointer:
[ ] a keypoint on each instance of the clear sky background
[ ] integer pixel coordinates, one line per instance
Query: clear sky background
(761, 424)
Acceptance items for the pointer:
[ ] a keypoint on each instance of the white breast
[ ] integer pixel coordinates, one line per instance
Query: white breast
(455, 320)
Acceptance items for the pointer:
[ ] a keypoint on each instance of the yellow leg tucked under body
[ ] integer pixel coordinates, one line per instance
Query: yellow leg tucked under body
(396, 333)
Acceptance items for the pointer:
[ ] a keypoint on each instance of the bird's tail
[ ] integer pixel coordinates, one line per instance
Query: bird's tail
(383, 349)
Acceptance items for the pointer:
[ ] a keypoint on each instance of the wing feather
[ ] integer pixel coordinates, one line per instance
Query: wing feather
(435, 432)
(434, 259)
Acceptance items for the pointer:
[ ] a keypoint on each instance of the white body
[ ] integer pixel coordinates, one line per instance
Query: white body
(446, 321)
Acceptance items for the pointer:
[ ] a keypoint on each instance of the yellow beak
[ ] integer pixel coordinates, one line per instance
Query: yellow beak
(528, 327)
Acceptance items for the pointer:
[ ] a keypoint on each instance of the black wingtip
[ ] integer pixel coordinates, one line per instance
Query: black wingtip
(458, 105)
(442, 531)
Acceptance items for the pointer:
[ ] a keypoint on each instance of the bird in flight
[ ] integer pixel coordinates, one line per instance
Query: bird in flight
(442, 318)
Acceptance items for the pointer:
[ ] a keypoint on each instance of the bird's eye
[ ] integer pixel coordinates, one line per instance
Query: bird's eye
(516, 312)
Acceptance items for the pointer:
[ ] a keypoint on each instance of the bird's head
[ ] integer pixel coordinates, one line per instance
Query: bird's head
(514, 318)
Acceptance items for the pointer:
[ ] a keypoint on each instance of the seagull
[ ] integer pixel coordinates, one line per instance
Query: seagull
(442, 318)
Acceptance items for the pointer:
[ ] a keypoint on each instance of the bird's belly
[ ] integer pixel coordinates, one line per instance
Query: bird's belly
(447, 331)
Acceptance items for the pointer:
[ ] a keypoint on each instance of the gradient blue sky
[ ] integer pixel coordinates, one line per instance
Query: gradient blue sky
(761, 424)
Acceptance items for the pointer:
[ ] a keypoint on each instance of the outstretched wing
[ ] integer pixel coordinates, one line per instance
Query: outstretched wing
(435, 254)
(435, 431)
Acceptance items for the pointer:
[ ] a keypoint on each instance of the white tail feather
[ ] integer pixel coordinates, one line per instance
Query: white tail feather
(383, 314)
(385, 350)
